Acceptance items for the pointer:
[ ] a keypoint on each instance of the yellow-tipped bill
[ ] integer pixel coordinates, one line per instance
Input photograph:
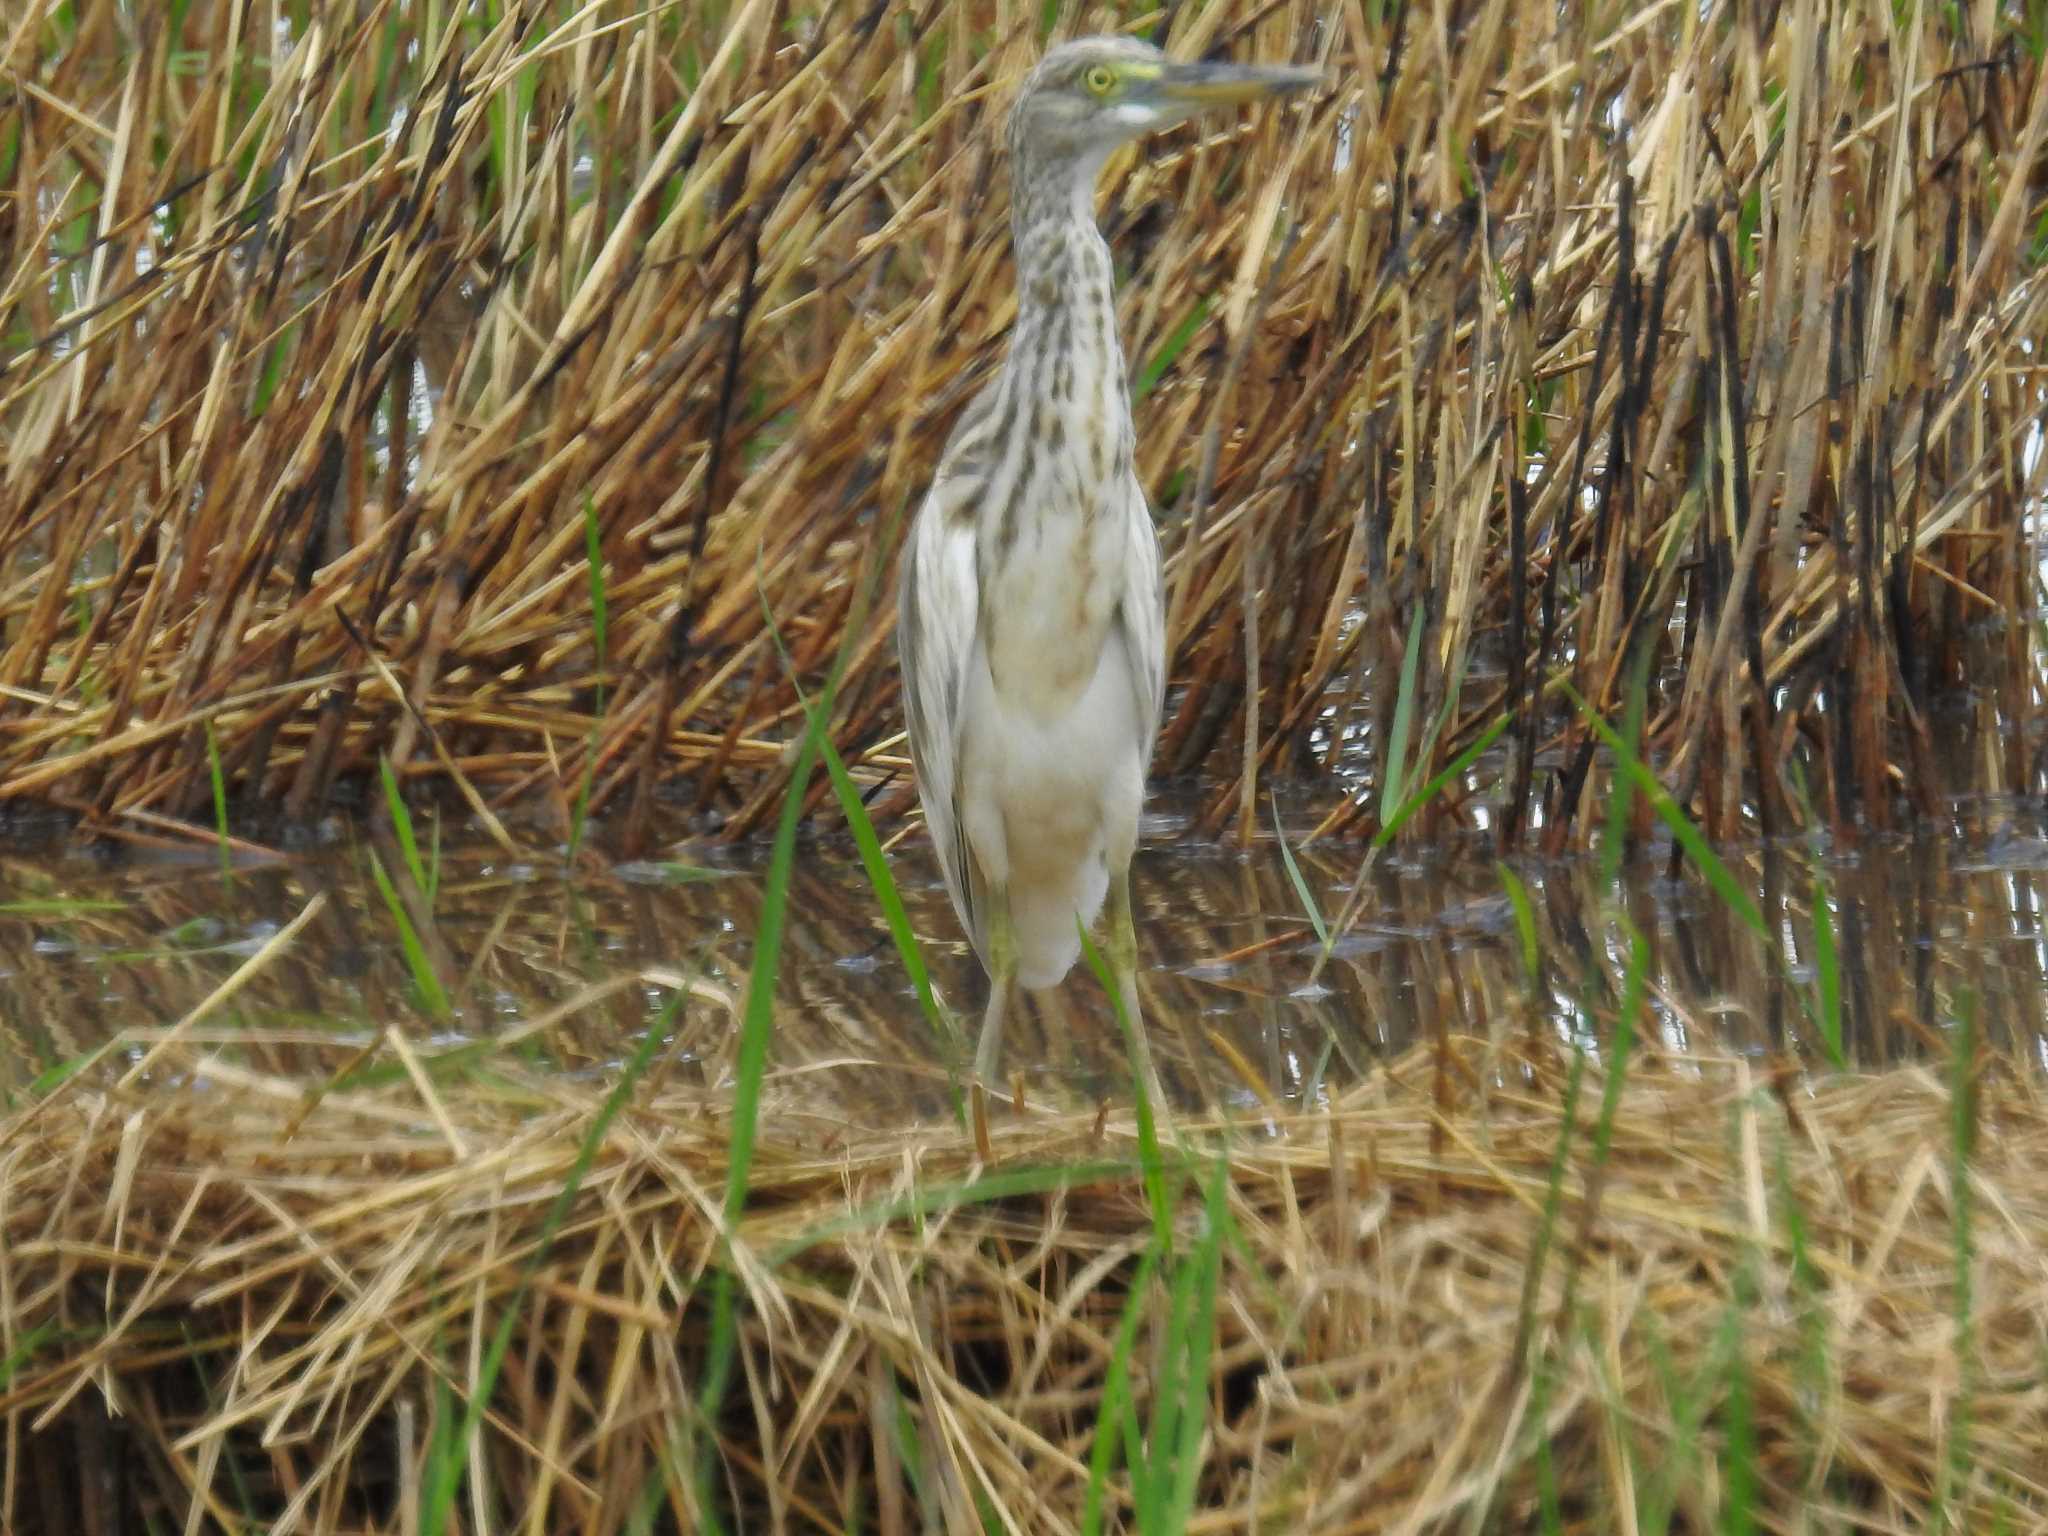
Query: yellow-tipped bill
(1199, 86)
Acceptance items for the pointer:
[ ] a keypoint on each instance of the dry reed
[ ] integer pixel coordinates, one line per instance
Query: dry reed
(1555, 334)
(274, 1296)
(1713, 328)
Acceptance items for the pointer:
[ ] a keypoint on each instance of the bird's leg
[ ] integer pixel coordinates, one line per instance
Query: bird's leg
(1002, 970)
(1123, 970)
(1002, 986)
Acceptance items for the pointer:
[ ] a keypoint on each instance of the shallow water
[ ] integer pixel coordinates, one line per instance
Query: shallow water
(567, 969)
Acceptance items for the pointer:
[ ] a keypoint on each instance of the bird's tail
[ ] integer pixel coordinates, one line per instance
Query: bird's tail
(1044, 920)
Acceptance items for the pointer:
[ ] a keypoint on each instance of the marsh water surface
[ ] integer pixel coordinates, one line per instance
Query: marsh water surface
(566, 964)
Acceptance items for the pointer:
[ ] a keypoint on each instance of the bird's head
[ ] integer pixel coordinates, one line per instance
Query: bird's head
(1092, 94)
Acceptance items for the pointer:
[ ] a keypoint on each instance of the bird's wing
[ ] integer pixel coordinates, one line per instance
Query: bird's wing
(937, 625)
(1141, 616)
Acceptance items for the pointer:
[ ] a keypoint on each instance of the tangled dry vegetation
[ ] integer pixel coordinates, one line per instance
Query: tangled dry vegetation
(1768, 1295)
(1712, 329)
(340, 339)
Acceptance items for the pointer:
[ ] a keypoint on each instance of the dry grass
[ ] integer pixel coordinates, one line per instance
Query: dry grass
(1713, 331)
(277, 1299)
(322, 334)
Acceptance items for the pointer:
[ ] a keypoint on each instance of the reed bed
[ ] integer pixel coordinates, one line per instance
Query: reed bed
(338, 345)
(1730, 1294)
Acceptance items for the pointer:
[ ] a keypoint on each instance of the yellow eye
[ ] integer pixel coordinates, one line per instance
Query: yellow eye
(1100, 79)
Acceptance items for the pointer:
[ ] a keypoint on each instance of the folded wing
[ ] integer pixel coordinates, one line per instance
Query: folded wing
(1141, 617)
(937, 626)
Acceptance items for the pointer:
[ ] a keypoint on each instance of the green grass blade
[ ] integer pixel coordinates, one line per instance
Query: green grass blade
(423, 976)
(1001, 1184)
(1534, 1265)
(1301, 890)
(1553, 1199)
(757, 1029)
(579, 813)
(757, 1026)
(873, 860)
(1689, 837)
(876, 863)
(1615, 838)
(593, 559)
(1686, 1406)
(910, 1448)
(59, 906)
(1955, 1470)
(1454, 688)
(274, 361)
(1198, 1339)
(1169, 350)
(401, 826)
(1549, 1502)
(443, 1456)
(1150, 1158)
(1740, 1473)
(441, 1490)
(220, 804)
(195, 1352)
(1116, 1405)
(53, 1078)
(25, 1350)
(1153, 1481)
(1827, 975)
(1808, 1290)
(931, 76)
(1396, 766)
(1635, 986)
(1525, 922)
(1448, 772)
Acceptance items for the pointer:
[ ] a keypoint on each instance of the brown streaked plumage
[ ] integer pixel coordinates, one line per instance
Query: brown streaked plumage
(1030, 621)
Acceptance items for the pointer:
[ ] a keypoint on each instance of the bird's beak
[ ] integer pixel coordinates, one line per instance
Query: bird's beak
(1196, 87)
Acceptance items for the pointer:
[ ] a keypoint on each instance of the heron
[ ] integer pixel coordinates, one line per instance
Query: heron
(1031, 623)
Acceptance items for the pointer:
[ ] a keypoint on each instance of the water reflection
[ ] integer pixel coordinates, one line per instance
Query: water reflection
(568, 971)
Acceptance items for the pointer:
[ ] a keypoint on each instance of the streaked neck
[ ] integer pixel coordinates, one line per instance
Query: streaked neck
(1048, 193)
(1065, 335)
